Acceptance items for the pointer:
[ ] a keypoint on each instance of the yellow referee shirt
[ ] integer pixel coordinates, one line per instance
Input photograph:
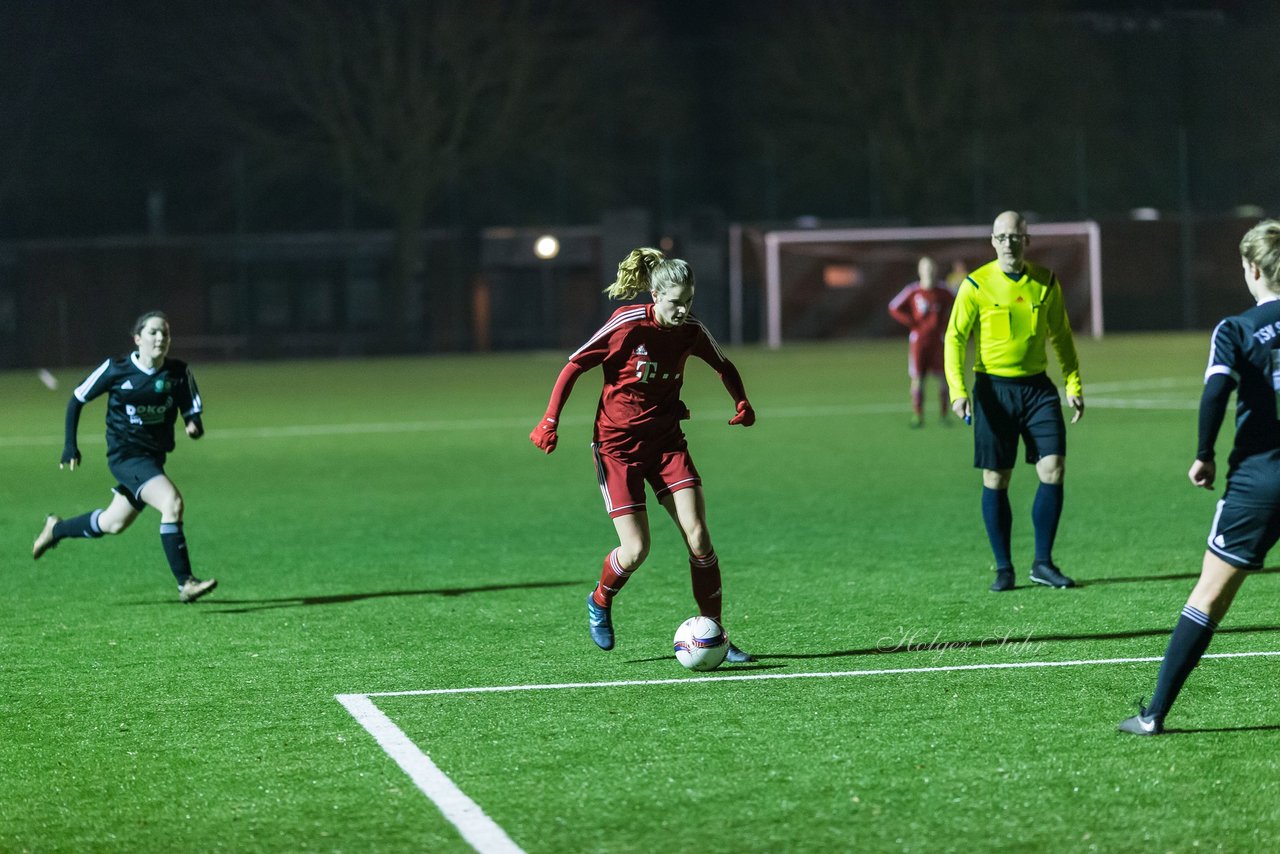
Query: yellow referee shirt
(1010, 320)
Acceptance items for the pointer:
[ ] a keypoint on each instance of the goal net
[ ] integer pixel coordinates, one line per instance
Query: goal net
(821, 284)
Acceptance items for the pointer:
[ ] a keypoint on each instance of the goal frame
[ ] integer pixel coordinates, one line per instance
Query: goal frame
(775, 240)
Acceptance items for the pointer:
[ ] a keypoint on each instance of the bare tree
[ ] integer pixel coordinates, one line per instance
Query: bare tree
(396, 97)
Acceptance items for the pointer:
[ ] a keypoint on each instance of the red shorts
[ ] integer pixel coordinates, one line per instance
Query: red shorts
(622, 482)
(924, 355)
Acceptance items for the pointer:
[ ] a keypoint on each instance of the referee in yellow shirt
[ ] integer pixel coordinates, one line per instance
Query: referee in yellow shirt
(1012, 307)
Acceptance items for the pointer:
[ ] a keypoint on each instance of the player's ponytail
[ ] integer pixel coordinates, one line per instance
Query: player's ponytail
(645, 270)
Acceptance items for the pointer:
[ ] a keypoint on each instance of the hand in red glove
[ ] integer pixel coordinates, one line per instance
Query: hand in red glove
(544, 435)
(746, 415)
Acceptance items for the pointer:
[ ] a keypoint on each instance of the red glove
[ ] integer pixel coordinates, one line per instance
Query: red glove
(685, 414)
(746, 415)
(544, 435)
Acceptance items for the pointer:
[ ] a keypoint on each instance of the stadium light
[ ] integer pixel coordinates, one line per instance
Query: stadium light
(546, 247)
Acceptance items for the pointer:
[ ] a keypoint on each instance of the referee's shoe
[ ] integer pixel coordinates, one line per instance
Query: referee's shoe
(1004, 579)
(1044, 572)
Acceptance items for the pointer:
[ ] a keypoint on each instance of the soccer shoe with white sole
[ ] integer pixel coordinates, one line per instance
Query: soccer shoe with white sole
(1044, 572)
(193, 588)
(1142, 724)
(737, 656)
(599, 623)
(1004, 580)
(45, 540)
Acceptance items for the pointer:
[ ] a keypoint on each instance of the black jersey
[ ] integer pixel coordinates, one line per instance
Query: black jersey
(1246, 349)
(142, 405)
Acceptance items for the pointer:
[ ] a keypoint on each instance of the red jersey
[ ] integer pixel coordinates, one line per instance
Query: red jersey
(643, 365)
(923, 310)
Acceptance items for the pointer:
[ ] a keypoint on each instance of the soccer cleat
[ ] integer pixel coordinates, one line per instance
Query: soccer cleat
(1142, 723)
(1004, 580)
(1044, 572)
(193, 588)
(737, 656)
(45, 540)
(599, 623)
(915, 422)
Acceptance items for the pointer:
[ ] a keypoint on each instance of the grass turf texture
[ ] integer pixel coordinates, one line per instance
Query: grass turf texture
(386, 526)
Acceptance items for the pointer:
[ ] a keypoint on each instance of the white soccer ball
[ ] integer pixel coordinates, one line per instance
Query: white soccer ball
(701, 643)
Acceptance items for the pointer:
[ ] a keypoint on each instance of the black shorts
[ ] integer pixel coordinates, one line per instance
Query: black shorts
(1006, 408)
(1246, 524)
(133, 473)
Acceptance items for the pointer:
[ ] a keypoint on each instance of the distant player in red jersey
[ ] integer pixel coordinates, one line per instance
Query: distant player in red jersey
(923, 307)
(637, 438)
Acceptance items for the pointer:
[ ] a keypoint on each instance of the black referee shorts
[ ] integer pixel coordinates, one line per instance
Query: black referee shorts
(1006, 408)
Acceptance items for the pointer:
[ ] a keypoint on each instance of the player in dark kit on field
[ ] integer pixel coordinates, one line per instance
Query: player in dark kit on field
(637, 438)
(146, 392)
(1014, 308)
(1244, 356)
(923, 307)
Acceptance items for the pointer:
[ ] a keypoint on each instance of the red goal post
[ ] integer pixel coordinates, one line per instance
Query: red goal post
(830, 283)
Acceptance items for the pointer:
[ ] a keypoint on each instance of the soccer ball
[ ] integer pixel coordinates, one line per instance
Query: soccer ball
(701, 643)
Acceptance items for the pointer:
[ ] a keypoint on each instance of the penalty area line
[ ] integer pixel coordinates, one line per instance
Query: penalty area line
(484, 835)
(833, 674)
(479, 831)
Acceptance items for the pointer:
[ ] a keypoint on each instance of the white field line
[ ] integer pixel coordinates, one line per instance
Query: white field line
(485, 836)
(517, 424)
(760, 677)
(480, 831)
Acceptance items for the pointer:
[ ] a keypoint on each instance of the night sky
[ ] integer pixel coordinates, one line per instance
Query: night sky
(176, 117)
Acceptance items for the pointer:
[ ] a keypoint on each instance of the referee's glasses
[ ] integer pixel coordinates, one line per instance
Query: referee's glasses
(1009, 238)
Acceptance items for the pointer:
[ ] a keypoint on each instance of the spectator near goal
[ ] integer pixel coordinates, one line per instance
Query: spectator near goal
(923, 307)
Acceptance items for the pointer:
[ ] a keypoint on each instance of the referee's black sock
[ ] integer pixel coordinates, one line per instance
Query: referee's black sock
(1188, 642)
(1046, 510)
(175, 549)
(998, 516)
(84, 525)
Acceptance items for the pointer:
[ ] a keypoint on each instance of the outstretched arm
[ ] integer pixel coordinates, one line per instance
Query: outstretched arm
(70, 447)
(544, 435)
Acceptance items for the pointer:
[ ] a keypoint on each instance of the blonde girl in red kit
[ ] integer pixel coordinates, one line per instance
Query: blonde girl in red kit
(642, 351)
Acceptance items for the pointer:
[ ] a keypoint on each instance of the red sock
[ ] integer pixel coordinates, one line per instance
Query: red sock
(917, 402)
(944, 401)
(705, 575)
(612, 577)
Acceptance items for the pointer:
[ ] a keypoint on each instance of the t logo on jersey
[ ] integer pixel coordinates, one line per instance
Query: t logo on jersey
(647, 370)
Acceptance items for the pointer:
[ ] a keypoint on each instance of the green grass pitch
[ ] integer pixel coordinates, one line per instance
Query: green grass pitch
(385, 526)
